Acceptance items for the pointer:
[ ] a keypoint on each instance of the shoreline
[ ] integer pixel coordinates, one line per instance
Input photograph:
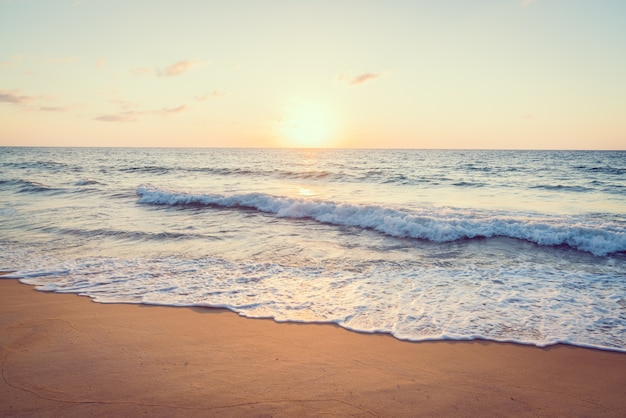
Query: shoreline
(62, 354)
(10, 276)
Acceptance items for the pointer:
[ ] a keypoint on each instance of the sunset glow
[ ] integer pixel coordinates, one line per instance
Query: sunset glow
(445, 74)
(307, 125)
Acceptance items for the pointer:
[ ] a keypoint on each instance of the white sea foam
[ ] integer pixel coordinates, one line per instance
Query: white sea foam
(434, 224)
(528, 303)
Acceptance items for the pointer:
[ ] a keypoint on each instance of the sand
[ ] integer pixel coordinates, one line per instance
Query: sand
(63, 355)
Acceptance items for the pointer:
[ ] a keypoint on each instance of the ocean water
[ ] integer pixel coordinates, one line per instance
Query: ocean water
(523, 246)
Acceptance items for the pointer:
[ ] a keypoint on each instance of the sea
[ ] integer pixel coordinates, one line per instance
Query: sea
(516, 246)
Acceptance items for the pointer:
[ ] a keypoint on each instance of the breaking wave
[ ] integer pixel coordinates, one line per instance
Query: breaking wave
(596, 236)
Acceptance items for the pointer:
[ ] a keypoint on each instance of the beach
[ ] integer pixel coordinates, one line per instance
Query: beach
(63, 355)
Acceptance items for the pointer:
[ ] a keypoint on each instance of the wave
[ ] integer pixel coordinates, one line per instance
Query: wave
(124, 234)
(288, 174)
(86, 182)
(52, 166)
(595, 236)
(560, 187)
(343, 175)
(468, 184)
(467, 175)
(27, 186)
(150, 169)
(616, 171)
(234, 171)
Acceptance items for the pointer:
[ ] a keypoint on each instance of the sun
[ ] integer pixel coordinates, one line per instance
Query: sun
(307, 125)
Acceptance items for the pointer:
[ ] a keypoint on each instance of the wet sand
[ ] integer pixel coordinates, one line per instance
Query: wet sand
(63, 355)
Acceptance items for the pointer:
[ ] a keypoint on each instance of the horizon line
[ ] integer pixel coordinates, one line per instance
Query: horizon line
(314, 148)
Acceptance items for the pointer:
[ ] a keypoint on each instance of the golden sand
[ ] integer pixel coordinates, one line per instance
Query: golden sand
(63, 355)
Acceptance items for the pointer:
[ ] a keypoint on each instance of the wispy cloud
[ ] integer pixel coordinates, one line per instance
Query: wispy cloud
(33, 103)
(359, 78)
(127, 112)
(124, 104)
(214, 93)
(54, 108)
(177, 68)
(171, 110)
(119, 117)
(527, 2)
(14, 97)
(126, 116)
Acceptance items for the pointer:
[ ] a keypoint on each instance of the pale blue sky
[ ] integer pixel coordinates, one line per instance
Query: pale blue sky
(411, 74)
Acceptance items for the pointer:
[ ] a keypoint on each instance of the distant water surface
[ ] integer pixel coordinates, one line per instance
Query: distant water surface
(524, 246)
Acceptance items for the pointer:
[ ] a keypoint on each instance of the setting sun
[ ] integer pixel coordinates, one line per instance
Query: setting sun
(307, 125)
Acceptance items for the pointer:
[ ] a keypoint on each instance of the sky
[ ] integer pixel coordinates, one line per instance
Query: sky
(462, 74)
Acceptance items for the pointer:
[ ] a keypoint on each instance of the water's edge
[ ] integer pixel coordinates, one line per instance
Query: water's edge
(8, 275)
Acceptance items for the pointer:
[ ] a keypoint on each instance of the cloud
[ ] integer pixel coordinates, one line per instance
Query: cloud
(29, 103)
(171, 111)
(359, 78)
(176, 69)
(527, 2)
(214, 93)
(134, 115)
(13, 97)
(100, 64)
(54, 108)
(119, 117)
(124, 104)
